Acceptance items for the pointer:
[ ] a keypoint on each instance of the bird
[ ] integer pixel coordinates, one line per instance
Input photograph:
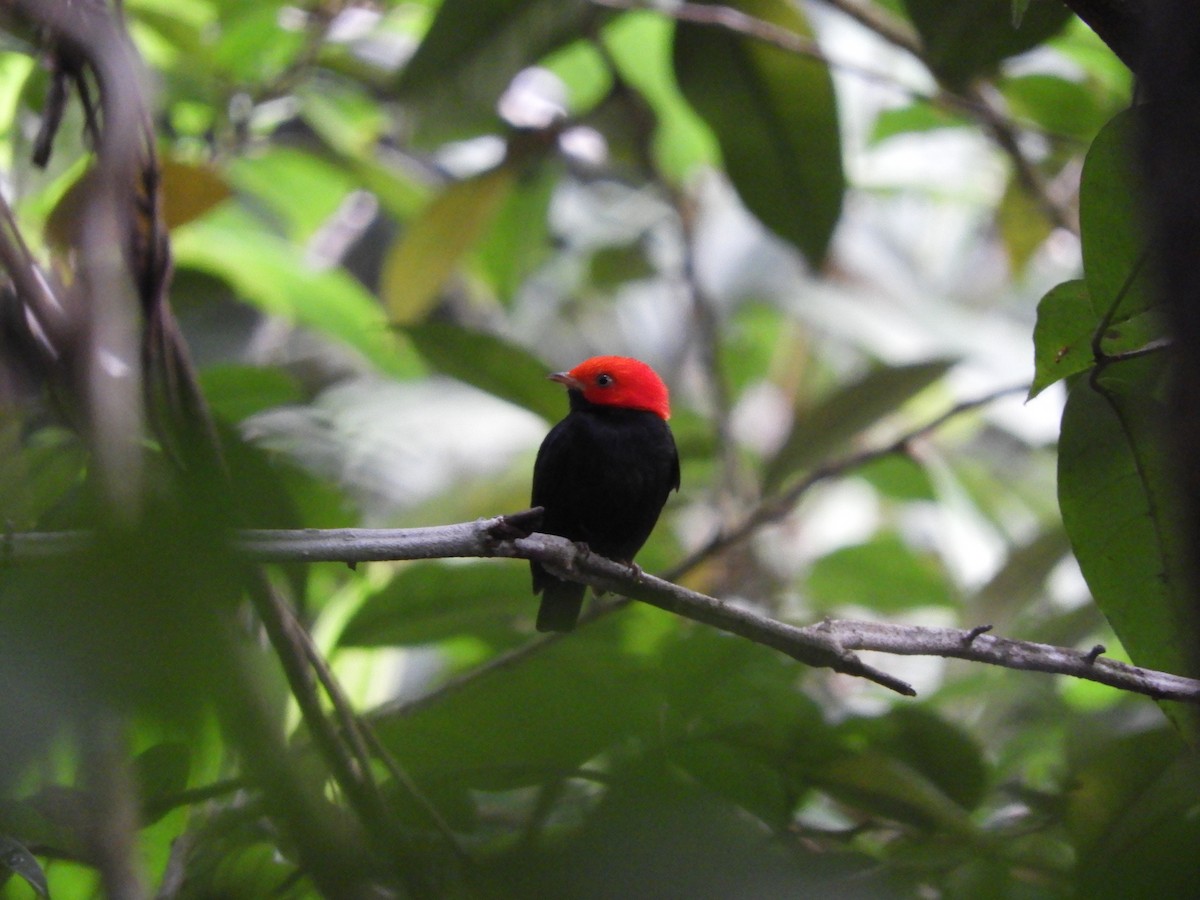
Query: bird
(603, 473)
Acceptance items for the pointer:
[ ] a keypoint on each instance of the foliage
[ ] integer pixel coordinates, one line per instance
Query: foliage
(389, 220)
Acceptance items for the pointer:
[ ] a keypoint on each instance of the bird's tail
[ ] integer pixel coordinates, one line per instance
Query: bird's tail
(561, 603)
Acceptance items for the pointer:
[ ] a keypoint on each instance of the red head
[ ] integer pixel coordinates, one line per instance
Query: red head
(618, 381)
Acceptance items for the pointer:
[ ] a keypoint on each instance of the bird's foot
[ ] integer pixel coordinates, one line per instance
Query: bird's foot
(516, 525)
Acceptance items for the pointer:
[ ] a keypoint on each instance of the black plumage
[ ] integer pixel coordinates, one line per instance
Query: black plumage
(602, 475)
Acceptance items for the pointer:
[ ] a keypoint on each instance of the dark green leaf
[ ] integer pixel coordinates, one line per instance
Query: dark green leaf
(826, 427)
(1111, 226)
(1132, 811)
(16, 859)
(1120, 507)
(775, 116)
(1059, 105)
(491, 364)
(162, 771)
(882, 785)
(884, 574)
(429, 602)
(472, 51)
(939, 750)
(966, 39)
(533, 721)
(235, 392)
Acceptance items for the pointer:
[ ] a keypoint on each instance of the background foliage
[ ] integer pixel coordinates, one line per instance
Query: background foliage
(389, 221)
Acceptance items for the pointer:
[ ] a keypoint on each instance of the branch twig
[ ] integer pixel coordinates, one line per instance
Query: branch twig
(828, 644)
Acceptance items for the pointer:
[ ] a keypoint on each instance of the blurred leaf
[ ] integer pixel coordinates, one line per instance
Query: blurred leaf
(938, 749)
(431, 601)
(301, 189)
(471, 53)
(1134, 811)
(882, 785)
(967, 39)
(489, 363)
(1111, 226)
(37, 471)
(519, 238)
(252, 46)
(775, 116)
(741, 775)
(585, 73)
(344, 114)
(19, 861)
(1059, 105)
(640, 46)
(899, 477)
(189, 191)
(884, 574)
(1120, 507)
(914, 119)
(826, 427)
(162, 772)
(540, 720)
(1023, 224)
(273, 275)
(236, 392)
(430, 249)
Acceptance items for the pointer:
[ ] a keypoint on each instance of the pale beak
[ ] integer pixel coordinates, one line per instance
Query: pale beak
(566, 379)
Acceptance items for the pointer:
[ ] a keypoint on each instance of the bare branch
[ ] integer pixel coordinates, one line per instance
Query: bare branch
(829, 644)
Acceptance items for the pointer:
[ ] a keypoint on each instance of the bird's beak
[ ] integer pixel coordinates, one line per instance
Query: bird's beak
(567, 380)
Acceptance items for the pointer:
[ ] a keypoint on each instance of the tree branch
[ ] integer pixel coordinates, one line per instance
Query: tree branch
(829, 644)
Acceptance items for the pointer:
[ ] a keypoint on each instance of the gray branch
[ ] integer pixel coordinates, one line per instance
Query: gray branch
(828, 644)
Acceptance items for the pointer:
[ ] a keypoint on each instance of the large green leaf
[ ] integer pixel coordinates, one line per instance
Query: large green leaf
(490, 363)
(966, 39)
(431, 601)
(430, 249)
(775, 116)
(274, 275)
(885, 574)
(471, 52)
(828, 425)
(1119, 505)
(535, 721)
(1111, 226)
(639, 45)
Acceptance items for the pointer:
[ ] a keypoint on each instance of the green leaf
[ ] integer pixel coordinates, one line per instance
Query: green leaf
(18, 860)
(882, 785)
(1023, 225)
(639, 44)
(430, 249)
(1059, 105)
(839, 417)
(1120, 507)
(775, 116)
(1062, 337)
(936, 748)
(162, 771)
(235, 392)
(430, 602)
(967, 39)
(1132, 809)
(274, 276)
(914, 119)
(884, 574)
(471, 53)
(534, 721)
(1111, 224)
(491, 364)
(899, 477)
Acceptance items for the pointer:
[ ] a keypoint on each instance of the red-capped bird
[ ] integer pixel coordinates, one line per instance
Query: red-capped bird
(604, 472)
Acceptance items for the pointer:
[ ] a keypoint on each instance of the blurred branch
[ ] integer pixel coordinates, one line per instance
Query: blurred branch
(828, 644)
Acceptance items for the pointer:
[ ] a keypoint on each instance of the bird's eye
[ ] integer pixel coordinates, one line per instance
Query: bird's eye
(604, 380)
